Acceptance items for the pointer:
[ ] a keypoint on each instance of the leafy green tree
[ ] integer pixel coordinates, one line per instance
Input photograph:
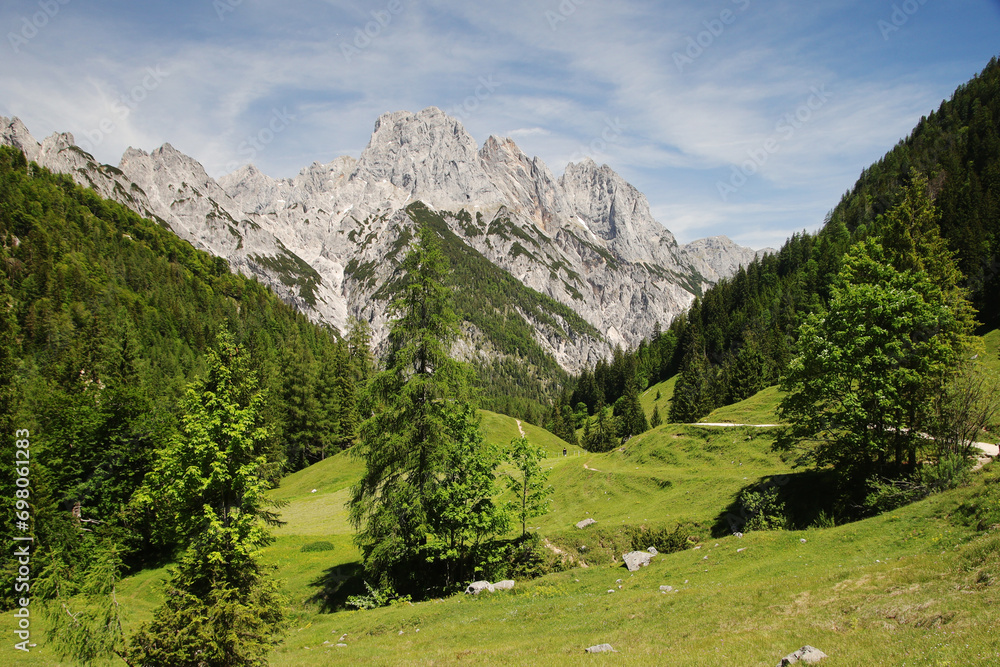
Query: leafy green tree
(84, 616)
(462, 510)
(856, 392)
(209, 486)
(528, 481)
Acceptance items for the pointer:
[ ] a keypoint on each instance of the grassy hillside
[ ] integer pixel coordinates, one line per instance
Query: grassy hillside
(761, 408)
(501, 429)
(914, 586)
(666, 391)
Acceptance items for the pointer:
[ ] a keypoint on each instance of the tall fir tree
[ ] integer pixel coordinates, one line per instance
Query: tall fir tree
(410, 443)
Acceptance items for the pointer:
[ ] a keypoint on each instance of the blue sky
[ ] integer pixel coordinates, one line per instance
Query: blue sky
(748, 118)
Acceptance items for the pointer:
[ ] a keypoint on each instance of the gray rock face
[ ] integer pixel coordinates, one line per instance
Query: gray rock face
(807, 655)
(327, 240)
(636, 559)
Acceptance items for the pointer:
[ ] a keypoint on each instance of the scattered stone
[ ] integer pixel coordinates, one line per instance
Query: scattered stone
(636, 559)
(698, 547)
(601, 648)
(666, 589)
(738, 535)
(807, 655)
(618, 581)
(802, 540)
(505, 585)
(705, 558)
(585, 523)
(741, 549)
(313, 491)
(341, 645)
(611, 590)
(653, 551)
(400, 632)
(477, 587)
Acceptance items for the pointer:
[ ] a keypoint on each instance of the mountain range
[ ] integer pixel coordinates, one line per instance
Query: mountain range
(329, 240)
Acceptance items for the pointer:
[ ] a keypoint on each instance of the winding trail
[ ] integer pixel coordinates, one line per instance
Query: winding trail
(989, 450)
(519, 429)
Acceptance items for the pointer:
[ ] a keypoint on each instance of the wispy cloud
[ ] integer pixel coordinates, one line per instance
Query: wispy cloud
(561, 82)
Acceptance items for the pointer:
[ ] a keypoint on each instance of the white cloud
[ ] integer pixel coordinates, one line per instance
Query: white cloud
(558, 83)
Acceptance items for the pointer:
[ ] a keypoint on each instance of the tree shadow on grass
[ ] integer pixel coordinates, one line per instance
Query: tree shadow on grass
(336, 584)
(801, 499)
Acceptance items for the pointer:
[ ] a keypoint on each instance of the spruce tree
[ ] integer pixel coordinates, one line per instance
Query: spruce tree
(655, 420)
(410, 443)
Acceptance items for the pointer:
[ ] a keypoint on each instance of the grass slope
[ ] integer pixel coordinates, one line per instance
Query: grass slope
(761, 408)
(914, 587)
(666, 391)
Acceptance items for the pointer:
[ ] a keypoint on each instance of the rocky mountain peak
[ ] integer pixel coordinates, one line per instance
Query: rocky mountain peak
(428, 154)
(329, 239)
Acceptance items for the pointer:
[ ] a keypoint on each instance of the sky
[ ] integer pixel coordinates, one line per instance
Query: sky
(749, 118)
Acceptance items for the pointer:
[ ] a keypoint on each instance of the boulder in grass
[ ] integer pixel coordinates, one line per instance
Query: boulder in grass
(601, 648)
(505, 585)
(636, 559)
(477, 587)
(585, 523)
(807, 655)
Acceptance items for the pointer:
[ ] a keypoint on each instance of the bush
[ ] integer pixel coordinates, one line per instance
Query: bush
(377, 597)
(317, 546)
(949, 472)
(763, 510)
(886, 495)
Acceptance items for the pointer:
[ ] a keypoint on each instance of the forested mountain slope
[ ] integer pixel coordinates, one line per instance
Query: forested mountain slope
(105, 317)
(736, 339)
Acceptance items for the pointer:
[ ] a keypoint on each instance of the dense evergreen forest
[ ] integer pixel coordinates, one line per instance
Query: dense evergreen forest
(105, 319)
(737, 338)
